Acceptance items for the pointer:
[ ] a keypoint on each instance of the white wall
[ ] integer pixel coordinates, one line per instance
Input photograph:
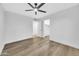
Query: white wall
(18, 27)
(1, 28)
(65, 27)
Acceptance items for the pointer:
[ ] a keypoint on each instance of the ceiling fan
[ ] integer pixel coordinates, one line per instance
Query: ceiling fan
(36, 8)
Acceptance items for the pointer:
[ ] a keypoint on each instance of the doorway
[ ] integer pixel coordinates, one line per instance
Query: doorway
(46, 27)
(41, 27)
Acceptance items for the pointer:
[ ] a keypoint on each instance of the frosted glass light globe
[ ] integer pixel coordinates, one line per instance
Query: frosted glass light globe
(35, 9)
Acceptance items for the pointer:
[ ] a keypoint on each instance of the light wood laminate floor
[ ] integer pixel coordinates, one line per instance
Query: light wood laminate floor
(38, 46)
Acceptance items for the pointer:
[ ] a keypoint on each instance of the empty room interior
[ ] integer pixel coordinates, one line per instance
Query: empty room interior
(39, 29)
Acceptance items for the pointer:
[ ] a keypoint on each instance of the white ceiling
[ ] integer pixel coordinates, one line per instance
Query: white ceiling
(49, 7)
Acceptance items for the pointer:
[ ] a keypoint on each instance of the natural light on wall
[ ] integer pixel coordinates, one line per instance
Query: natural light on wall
(47, 22)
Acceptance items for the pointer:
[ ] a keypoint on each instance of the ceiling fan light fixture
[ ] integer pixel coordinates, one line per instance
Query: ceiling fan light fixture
(35, 10)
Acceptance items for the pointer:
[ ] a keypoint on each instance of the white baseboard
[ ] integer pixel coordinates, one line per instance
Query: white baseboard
(1, 48)
(65, 43)
(18, 39)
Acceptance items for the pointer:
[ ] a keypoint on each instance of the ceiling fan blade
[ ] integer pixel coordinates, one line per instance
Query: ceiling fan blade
(42, 11)
(40, 5)
(31, 5)
(29, 10)
(35, 13)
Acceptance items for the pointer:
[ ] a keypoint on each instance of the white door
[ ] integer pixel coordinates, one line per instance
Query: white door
(41, 28)
(37, 28)
(46, 26)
